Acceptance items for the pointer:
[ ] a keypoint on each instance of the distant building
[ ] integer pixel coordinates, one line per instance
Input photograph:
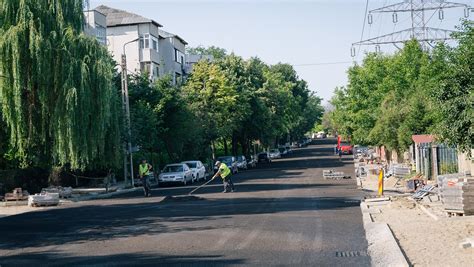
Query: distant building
(95, 25)
(193, 59)
(138, 36)
(173, 56)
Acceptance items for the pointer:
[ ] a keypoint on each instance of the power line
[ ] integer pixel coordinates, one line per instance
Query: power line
(363, 25)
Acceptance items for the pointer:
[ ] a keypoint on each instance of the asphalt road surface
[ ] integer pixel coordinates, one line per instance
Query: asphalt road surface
(283, 213)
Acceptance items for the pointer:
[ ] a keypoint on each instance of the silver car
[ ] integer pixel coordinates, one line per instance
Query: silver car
(199, 170)
(275, 154)
(176, 173)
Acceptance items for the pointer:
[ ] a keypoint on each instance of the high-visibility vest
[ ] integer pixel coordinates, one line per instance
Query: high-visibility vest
(225, 171)
(143, 169)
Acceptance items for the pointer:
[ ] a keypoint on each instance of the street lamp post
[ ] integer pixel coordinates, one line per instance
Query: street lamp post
(126, 107)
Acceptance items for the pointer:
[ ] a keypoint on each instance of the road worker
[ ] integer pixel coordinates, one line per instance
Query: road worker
(225, 173)
(144, 171)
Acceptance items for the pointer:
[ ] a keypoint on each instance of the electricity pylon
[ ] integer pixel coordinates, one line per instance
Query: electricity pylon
(419, 30)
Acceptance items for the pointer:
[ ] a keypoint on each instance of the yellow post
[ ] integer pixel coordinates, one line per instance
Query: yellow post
(380, 183)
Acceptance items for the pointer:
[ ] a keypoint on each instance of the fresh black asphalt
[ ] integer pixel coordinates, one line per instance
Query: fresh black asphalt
(283, 213)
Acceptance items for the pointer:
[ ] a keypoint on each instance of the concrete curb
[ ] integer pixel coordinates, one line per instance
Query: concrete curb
(107, 195)
(427, 212)
(383, 248)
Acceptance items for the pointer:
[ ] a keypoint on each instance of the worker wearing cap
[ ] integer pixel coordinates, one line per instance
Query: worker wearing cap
(144, 170)
(225, 173)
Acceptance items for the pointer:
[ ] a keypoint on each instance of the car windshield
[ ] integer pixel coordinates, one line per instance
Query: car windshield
(274, 151)
(262, 156)
(227, 161)
(345, 144)
(281, 149)
(173, 168)
(192, 164)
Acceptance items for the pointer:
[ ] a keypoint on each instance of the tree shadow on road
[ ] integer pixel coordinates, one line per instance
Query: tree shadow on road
(106, 222)
(125, 259)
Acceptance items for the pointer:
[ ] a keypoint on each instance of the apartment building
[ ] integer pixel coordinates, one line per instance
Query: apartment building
(95, 25)
(137, 37)
(173, 57)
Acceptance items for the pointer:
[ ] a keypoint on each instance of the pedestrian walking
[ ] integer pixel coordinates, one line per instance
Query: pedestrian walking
(225, 173)
(144, 172)
(340, 154)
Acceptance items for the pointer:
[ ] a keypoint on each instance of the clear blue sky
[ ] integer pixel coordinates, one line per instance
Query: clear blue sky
(290, 31)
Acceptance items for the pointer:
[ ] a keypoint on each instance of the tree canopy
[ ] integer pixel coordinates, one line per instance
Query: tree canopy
(391, 97)
(58, 101)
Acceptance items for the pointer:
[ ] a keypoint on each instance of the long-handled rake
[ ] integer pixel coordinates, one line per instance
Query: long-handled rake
(195, 189)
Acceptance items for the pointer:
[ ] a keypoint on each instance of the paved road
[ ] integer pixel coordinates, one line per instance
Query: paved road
(284, 213)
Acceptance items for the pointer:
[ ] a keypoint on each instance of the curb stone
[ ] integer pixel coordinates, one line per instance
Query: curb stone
(383, 248)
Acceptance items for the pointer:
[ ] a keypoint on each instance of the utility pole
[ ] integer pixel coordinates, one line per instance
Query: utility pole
(128, 155)
(421, 11)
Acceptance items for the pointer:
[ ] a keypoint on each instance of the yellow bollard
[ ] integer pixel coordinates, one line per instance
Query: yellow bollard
(380, 183)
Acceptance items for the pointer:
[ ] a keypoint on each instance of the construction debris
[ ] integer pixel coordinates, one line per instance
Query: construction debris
(43, 199)
(424, 191)
(17, 195)
(332, 174)
(64, 192)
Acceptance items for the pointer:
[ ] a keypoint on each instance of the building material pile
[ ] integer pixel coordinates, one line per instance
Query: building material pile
(64, 192)
(457, 193)
(17, 195)
(43, 199)
(332, 174)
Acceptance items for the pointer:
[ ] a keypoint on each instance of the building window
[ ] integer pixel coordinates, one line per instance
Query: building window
(149, 41)
(157, 71)
(178, 56)
(145, 67)
(101, 34)
(178, 78)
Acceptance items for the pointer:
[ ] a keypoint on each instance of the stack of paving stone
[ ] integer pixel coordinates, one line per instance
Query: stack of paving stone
(457, 193)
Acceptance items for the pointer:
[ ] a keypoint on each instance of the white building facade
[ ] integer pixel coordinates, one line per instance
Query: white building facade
(137, 37)
(95, 25)
(148, 48)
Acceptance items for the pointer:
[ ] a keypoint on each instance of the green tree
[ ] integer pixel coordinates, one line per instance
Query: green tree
(216, 52)
(212, 100)
(454, 95)
(58, 100)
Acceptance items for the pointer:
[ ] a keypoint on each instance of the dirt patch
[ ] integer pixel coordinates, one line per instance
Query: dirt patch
(427, 242)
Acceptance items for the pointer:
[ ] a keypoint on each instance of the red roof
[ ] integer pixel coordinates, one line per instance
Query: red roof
(422, 138)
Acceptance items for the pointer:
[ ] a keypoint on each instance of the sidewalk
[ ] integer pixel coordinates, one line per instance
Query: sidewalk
(425, 234)
(79, 194)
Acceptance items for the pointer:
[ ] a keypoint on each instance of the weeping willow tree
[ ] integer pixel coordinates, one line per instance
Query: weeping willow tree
(58, 100)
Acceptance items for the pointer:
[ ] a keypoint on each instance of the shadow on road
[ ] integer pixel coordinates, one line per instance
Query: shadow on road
(127, 259)
(105, 222)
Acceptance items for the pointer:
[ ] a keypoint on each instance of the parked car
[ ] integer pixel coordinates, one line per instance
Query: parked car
(346, 148)
(252, 162)
(321, 135)
(230, 161)
(242, 162)
(264, 157)
(199, 170)
(275, 154)
(283, 151)
(176, 173)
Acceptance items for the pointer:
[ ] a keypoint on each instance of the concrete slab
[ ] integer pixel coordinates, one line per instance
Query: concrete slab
(383, 248)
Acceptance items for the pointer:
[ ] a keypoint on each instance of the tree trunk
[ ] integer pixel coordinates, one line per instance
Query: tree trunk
(226, 149)
(234, 144)
(213, 150)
